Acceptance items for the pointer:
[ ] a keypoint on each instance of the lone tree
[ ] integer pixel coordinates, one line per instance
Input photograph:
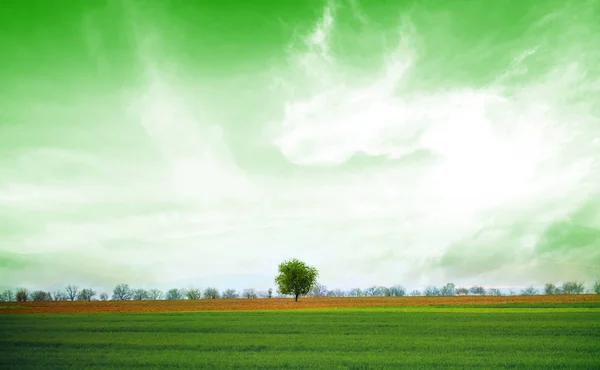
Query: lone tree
(295, 278)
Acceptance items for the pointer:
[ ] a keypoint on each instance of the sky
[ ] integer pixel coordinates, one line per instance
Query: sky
(201, 143)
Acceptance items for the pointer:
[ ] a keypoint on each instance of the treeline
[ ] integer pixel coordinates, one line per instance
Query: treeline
(124, 292)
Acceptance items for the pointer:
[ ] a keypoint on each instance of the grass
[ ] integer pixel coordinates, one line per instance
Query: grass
(514, 336)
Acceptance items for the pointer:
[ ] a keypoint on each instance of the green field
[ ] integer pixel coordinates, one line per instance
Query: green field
(503, 336)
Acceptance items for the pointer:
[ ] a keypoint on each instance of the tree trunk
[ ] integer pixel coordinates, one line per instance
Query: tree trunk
(296, 297)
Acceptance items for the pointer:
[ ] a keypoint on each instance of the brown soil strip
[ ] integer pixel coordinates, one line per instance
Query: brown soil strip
(273, 304)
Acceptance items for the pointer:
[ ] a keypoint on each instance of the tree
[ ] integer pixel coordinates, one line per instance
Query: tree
(397, 291)
(550, 289)
(356, 292)
(573, 287)
(103, 296)
(230, 294)
(448, 290)
(336, 293)
(193, 294)
(86, 295)
(270, 293)
(72, 291)
(432, 291)
(296, 278)
(415, 293)
(40, 296)
(249, 293)
(597, 287)
(211, 293)
(139, 295)
(370, 291)
(174, 295)
(318, 290)
(154, 294)
(7, 296)
(529, 291)
(122, 292)
(462, 291)
(22, 295)
(477, 290)
(59, 296)
(494, 291)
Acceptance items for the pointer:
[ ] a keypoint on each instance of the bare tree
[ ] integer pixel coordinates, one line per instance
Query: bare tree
(59, 295)
(448, 290)
(318, 290)
(573, 287)
(103, 296)
(494, 291)
(22, 295)
(397, 291)
(154, 294)
(72, 291)
(415, 293)
(550, 289)
(7, 296)
(230, 294)
(530, 290)
(86, 295)
(355, 292)
(40, 296)
(249, 293)
(477, 290)
(175, 294)
(211, 293)
(462, 291)
(597, 287)
(370, 291)
(336, 293)
(270, 293)
(139, 295)
(193, 293)
(122, 292)
(431, 291)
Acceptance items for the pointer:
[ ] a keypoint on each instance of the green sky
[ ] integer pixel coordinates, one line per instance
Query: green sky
(200, 143)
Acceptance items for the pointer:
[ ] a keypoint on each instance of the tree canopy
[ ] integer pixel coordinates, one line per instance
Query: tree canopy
(295, 278)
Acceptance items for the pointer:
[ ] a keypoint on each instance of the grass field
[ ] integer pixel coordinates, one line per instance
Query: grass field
(513, 335)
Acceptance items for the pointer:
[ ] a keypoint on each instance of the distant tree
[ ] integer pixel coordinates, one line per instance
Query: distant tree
(86, 295)
(494, 291)
(462, 291)
(7, 296)
(193, 293)
(397, 291)
(270, 293)
(448, 290)
(249, 293)
(415, 293)
(431, 291)
(550, 289)
(122, 292)
(597, 287)
(103, 296)
(381, 291)
(296, 278)
(139, 294)
(573, 287)
(72, 291)
(529, 291)
(40, 296)
(370, 291)
(22, 295)
(356, 292)
(154, 294)
(230, 294)
(174, 294)
(477, 290)
(59, 295)
(336, 293)
(318, 290)
(211, 293)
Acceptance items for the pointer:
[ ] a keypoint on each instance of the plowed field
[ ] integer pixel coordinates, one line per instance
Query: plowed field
(275, 303)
